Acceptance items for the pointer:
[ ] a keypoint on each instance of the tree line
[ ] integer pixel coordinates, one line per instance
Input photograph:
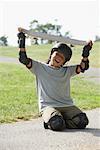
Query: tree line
(47, 28)
(35, 26)
(3, 41)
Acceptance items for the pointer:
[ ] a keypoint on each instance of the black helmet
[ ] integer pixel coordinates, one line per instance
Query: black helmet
(63, 48)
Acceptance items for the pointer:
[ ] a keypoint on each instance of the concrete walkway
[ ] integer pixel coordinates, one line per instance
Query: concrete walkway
(5, 59)
(31, 135)
(93, 74)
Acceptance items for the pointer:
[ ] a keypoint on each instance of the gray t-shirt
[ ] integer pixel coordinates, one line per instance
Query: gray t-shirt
(53, 85)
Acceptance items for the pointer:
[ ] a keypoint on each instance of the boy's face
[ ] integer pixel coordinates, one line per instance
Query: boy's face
(57, 59)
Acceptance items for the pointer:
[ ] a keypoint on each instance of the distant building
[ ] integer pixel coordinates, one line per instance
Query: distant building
(97, 38)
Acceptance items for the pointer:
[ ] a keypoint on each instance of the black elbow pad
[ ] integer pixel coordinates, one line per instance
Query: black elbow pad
(23, 58)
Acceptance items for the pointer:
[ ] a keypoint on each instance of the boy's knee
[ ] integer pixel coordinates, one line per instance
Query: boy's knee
(79, 121)
(83, 121)
(56, 123)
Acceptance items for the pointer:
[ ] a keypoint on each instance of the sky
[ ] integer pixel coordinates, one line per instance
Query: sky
(80, 17)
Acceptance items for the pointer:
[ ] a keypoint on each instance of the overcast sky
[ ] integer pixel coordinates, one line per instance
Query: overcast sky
(80, 17)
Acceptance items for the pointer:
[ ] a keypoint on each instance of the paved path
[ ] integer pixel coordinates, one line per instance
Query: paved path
(93, 74)
(31, 135)
(8, 59)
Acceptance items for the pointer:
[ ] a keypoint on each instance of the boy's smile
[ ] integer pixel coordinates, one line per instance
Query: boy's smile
(57, 59)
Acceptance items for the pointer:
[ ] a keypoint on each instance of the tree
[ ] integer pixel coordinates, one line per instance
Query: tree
(47, 28)
(33, 24)
(67, 34)
(57, 30)
(33, 27)
(3, 41)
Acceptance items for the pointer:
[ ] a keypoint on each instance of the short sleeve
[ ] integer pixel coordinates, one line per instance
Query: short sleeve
(72, 70)
(35, 67)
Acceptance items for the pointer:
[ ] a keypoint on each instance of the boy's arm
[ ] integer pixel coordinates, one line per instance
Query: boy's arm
(22, 51)
(84, 65)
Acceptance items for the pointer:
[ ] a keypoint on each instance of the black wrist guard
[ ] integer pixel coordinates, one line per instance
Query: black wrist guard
(86, 65)
(86, 50)
(21, 39)
(23, 58)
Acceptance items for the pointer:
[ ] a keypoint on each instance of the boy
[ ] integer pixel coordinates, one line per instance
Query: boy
(53, 85)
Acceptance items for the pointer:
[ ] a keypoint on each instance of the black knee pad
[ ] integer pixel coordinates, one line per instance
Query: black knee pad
(80, 120)
(56, 123)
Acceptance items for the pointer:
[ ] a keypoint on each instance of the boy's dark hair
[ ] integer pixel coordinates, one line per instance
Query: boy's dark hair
(62, 48)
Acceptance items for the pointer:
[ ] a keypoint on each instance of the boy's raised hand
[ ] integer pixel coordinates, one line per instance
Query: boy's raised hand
(21, 38)
(86, 49)
(20, 29)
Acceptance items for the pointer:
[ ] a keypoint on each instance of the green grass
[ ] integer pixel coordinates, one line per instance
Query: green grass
(18, 99)
(85, 93)
(8, 51)
(41, 52)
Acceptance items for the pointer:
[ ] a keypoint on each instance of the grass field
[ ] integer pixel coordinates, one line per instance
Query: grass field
(18, 99)
(17, 93)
